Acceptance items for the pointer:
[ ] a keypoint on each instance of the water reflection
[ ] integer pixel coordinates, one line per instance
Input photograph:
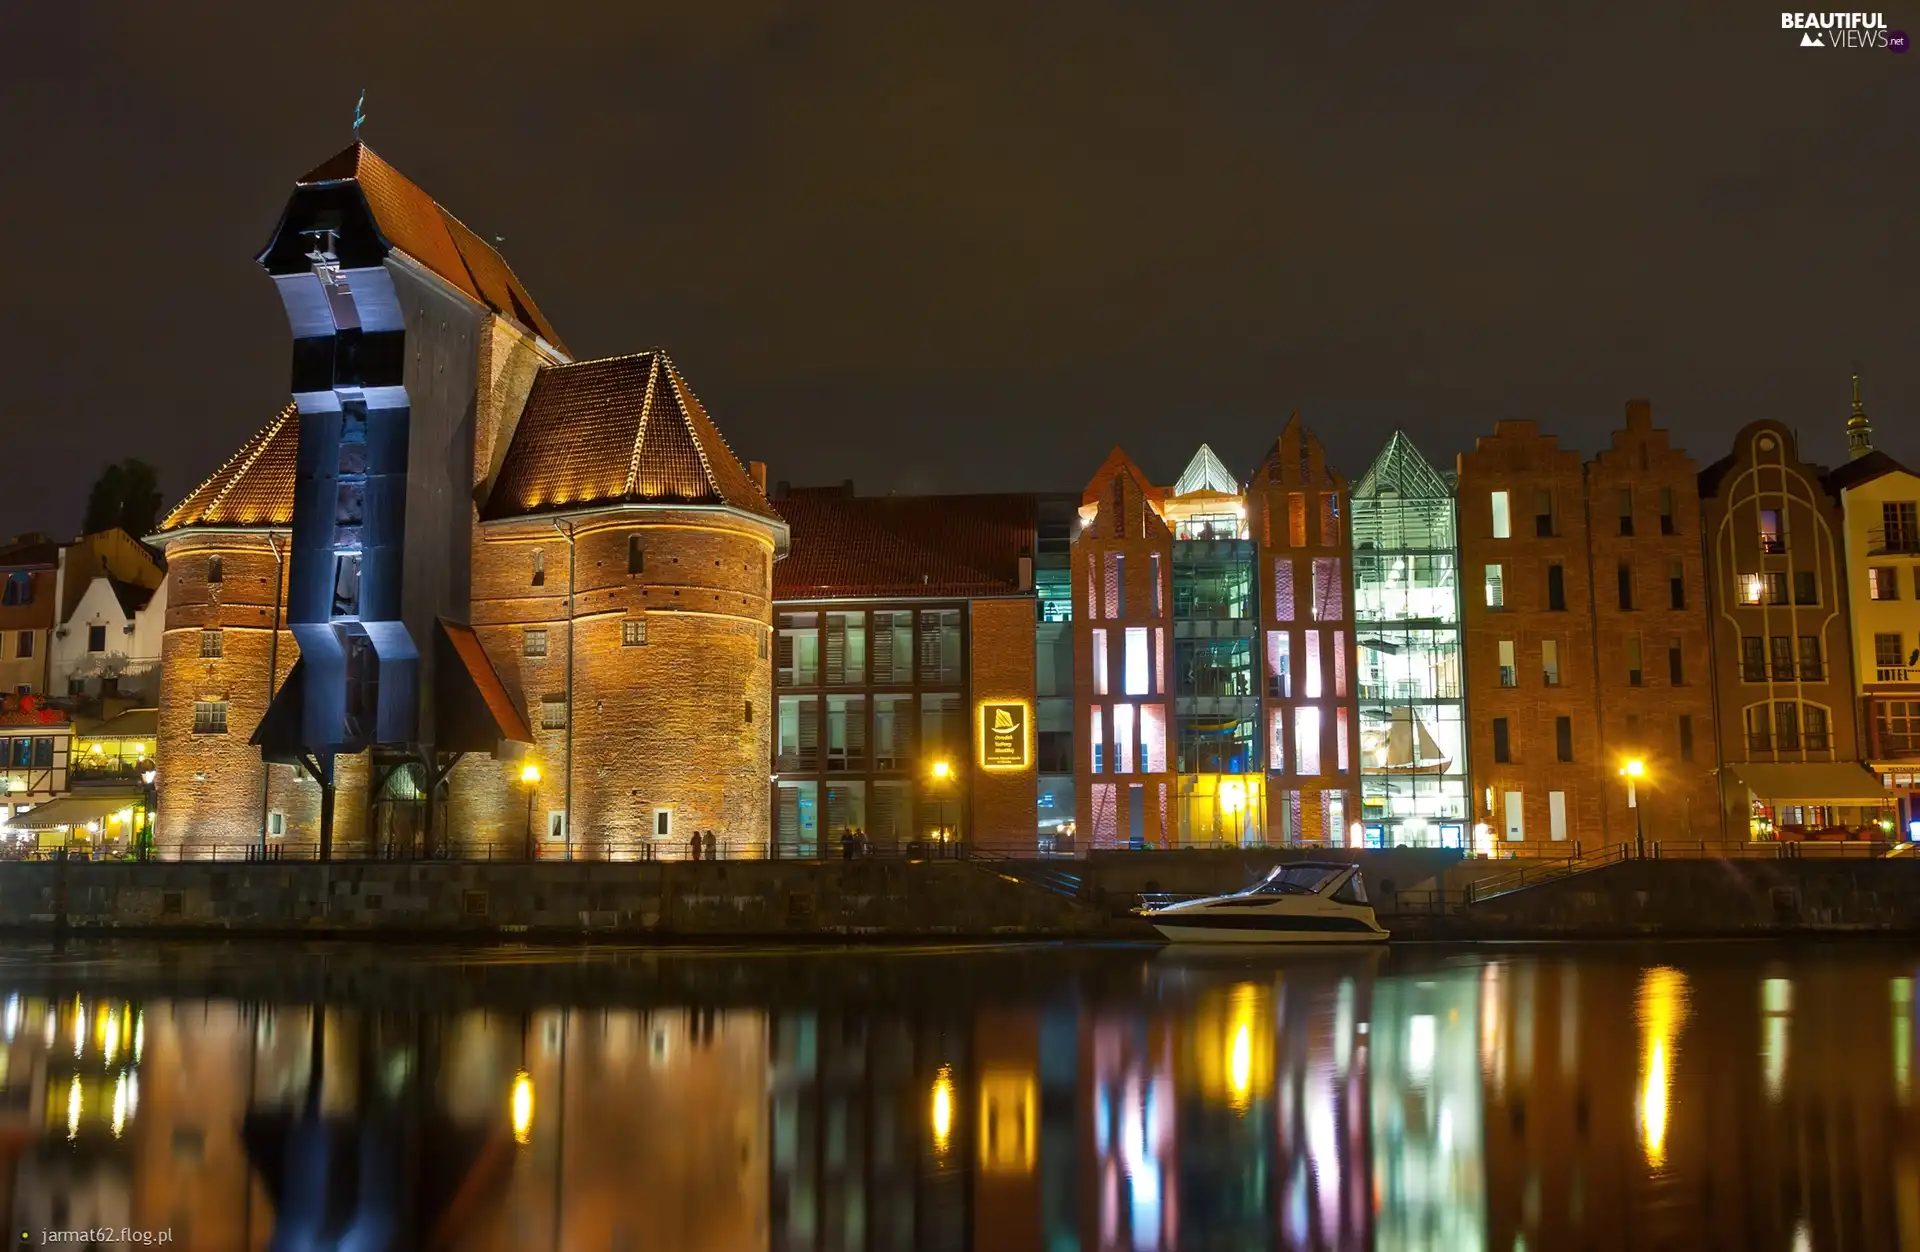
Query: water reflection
(1055, 1100)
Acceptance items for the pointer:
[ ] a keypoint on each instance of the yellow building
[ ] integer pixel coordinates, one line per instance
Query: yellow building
(1881, 501)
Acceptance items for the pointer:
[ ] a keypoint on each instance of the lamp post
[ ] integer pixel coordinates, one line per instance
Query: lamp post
(942, 775)
(530, 779)
(147, 777)
(1633, 771)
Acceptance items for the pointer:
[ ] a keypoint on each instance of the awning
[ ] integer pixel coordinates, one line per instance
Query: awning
(77, 810)
(473, 710)
(1813, 782)
(131, 724)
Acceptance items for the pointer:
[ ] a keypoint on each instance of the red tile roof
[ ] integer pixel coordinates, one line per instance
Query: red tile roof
(625, 430)
(253, 489)
(410, 220)
(903, 546)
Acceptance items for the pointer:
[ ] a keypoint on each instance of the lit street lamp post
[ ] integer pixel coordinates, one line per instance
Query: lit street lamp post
(530, 779)
(1633, 771)
(942, 776)
(147, 796)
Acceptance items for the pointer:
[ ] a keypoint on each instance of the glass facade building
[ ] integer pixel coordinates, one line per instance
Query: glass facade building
(1413, 774)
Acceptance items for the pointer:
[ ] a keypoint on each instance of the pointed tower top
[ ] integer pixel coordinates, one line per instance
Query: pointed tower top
(1859, 429)
(1206, 472)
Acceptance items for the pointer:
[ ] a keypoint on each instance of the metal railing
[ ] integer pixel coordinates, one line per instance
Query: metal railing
(1892, 540)
(1535, 872)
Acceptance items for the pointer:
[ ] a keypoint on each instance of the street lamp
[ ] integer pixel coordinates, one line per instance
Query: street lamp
(530, 779)
(1634, 770)
(147, 777)
(942, 773)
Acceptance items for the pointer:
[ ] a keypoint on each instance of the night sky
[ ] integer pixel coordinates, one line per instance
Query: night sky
(970, 247)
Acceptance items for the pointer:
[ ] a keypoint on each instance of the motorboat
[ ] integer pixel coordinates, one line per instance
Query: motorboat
(1315, 902)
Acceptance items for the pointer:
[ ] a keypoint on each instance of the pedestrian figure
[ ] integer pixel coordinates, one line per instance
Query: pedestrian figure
(846, 845)
(694, 855)
(713, 846)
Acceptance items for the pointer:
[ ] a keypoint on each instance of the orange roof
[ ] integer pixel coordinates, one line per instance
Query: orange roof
(409, 219)
(624, 430)
(253, 489)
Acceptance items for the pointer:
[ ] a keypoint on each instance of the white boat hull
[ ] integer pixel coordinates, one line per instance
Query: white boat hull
(1174, 932)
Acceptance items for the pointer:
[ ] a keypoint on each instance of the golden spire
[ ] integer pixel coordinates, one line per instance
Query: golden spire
(1859, 429)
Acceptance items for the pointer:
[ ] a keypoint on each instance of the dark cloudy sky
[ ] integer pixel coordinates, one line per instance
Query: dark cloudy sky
(967, 247)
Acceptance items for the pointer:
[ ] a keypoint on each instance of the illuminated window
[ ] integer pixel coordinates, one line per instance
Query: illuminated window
(1099, 661)
(633, 633)
(1341, 764)
(1516, 816)
(1496, 587)
(1098, 740)
(1123, 757)
(1306, 740)
(1277, 741)
(553, 712)
(1279, 679)
(1557, 815)
(1509, 672)
(1550, 662)
(533, 641)
(1138, 671)
(1773, 538)
(539, 568)
(1502, 519)
(276, 825)
(1883, 583)
(210, 717)
(212, 643)
(1313, 665)
(1636, 671)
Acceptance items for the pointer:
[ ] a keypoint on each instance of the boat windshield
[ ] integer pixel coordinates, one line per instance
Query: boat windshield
(1303, 880)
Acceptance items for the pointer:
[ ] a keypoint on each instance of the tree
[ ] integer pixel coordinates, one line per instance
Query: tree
(127, 496)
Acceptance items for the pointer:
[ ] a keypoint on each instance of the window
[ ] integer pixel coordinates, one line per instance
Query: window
(1626, 510)
(1283, 589)
(533, 641)
(216, 570)
(1502, 746)
(1676, 585)
(1773, 538)
(212, 643)
(663, 823)
(1516, 816)
(1557, 588)
(1543, 513)
(893, 732)
(1313, 682)
(539, 567)
(749, 716)
(277, 825)
(1686, 736)
(1496, 587)
(1624, 577)
(846, 732)
(1502, 523)
(19, 589)
(1159, 587)
(1100, 662)
(209, 717)
(1306, 741)
(798, 660)
(1329, 589)
(1563, 738)
(1508, 675)
(1751, 588)
(940, 645)
(1557, 810)
(893, 649)
(1883, 583)
(1811, 671)
(846, 649)
(1279, 665)
(1099, 739)
(633, 634)
(636, 555)
(23, 645)
(1889, 658)
(346, 584)
(1782, 648)
(1676, 667)
(96, 638)
(1897, 726)
(1666, 511)
(1636, 672)
(1776, 592)
(1900, 526)
(1806, 587)
(1550, 662)
(1138, 671)
(1813, 724)
(1759, 729)
(553, 712)
(1786, 726)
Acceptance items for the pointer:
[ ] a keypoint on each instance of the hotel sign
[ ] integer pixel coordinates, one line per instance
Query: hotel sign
(1004, 741)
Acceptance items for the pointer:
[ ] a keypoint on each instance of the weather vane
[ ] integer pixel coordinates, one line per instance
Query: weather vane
(359, 114)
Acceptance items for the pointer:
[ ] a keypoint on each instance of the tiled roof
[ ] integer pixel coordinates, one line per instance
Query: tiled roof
(132, 596)
(903, 546)
(254, 487)
(30, 550)
(625, 430)
(410, 220)
(1863, 470)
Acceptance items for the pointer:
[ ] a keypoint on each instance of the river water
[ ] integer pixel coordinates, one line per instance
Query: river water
(1045, 1098)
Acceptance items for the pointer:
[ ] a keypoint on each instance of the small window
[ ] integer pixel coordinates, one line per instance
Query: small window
(1557, 588)
(1543, 513)
(749, 713)
(663, 823)
(1496, 587)
(19, 589)
(1502, 746)
(96, 638)
(1502, 521)
(1550, 662)
(1563, 738)
(1686, 736)
(633, 633)
(1626, 510)
(216, 569)
(539, 567)
(533, 641)
(276, 825)
(212, 643)
(1624, 577)
(1773, 538)
(1636, 672)
(1667, 524)
(636, 555)
(553, 712)
(1883, 583)
(346, 584)
(1806, 587)
(1509, 676)
(1676, 666)
(763, 640)
(1676, 585)
(209, 717)
(23, 645)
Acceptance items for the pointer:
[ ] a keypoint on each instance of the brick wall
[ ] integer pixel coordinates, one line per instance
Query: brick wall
(1644, 721)
(681, 722)
(1522, 462)
(1000, 649)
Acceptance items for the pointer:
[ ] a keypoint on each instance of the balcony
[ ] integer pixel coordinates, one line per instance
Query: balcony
(1772, 545)
(1892, 541)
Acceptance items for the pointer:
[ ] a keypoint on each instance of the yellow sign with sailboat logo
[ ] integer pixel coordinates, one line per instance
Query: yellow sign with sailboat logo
(1004, 735)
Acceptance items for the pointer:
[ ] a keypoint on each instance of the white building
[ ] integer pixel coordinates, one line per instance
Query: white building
(113, 599)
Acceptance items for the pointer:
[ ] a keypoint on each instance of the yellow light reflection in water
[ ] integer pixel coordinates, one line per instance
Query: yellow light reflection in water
(120, 1105)
(941, 1113)
(1233, 1045)
(1662, 1011)
(73, 1109)
(522, 1107)
(1902, 991)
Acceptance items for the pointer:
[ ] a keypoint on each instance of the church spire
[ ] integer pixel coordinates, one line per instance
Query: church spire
(1859, 429)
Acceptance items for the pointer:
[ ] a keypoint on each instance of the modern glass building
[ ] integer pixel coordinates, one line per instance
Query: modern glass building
(1413, 758)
